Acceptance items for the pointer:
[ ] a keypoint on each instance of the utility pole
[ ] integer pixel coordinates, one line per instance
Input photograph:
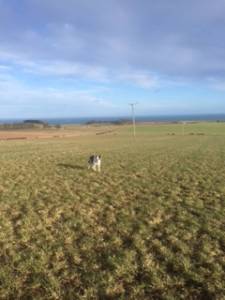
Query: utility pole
(133, 117)
(183, 124)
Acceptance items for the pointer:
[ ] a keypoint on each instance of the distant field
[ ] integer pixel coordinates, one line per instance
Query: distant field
(65, 132)
(180, 129)
(150, 226)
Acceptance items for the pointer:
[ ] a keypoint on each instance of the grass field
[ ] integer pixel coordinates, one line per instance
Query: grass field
(151, 225)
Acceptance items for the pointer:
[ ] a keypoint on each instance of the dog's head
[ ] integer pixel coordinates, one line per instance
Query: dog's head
(98, 157)
(94, 158)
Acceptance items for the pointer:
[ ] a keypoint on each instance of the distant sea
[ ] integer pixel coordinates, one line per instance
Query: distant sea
(83, 120)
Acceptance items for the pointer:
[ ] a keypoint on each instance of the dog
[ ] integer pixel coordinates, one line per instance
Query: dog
(94, 162)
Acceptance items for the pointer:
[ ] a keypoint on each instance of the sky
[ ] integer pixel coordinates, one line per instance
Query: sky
(83, 58)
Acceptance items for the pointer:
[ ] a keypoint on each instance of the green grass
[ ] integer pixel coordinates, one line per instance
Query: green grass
(150, 226)
(202, 128)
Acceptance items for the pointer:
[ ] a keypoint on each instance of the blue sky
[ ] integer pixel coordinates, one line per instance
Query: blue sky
(91, 58)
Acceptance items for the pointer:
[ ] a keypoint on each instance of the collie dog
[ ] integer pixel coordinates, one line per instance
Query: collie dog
(94, 162)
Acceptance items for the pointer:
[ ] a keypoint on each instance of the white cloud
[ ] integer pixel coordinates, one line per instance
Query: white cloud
(216, 84)
(141, 79)
(220, 86)
(178, 38)
(65, 69)
(90, 72)
(16, 97)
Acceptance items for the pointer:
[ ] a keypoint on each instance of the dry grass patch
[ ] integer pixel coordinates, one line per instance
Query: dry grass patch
(150, 226)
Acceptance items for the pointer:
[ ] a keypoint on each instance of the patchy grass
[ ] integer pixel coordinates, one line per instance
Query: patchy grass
(150, 226)
(191, 128)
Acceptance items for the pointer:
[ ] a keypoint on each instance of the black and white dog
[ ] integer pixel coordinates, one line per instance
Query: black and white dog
(94, 162)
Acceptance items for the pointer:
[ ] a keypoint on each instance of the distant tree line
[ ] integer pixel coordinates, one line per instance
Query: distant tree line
(28, 124)
(116, 122)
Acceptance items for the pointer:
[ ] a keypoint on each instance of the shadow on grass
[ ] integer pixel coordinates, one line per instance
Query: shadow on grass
(69, 166)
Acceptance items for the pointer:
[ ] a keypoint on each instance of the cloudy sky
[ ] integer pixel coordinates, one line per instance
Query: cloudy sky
(92, 57)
